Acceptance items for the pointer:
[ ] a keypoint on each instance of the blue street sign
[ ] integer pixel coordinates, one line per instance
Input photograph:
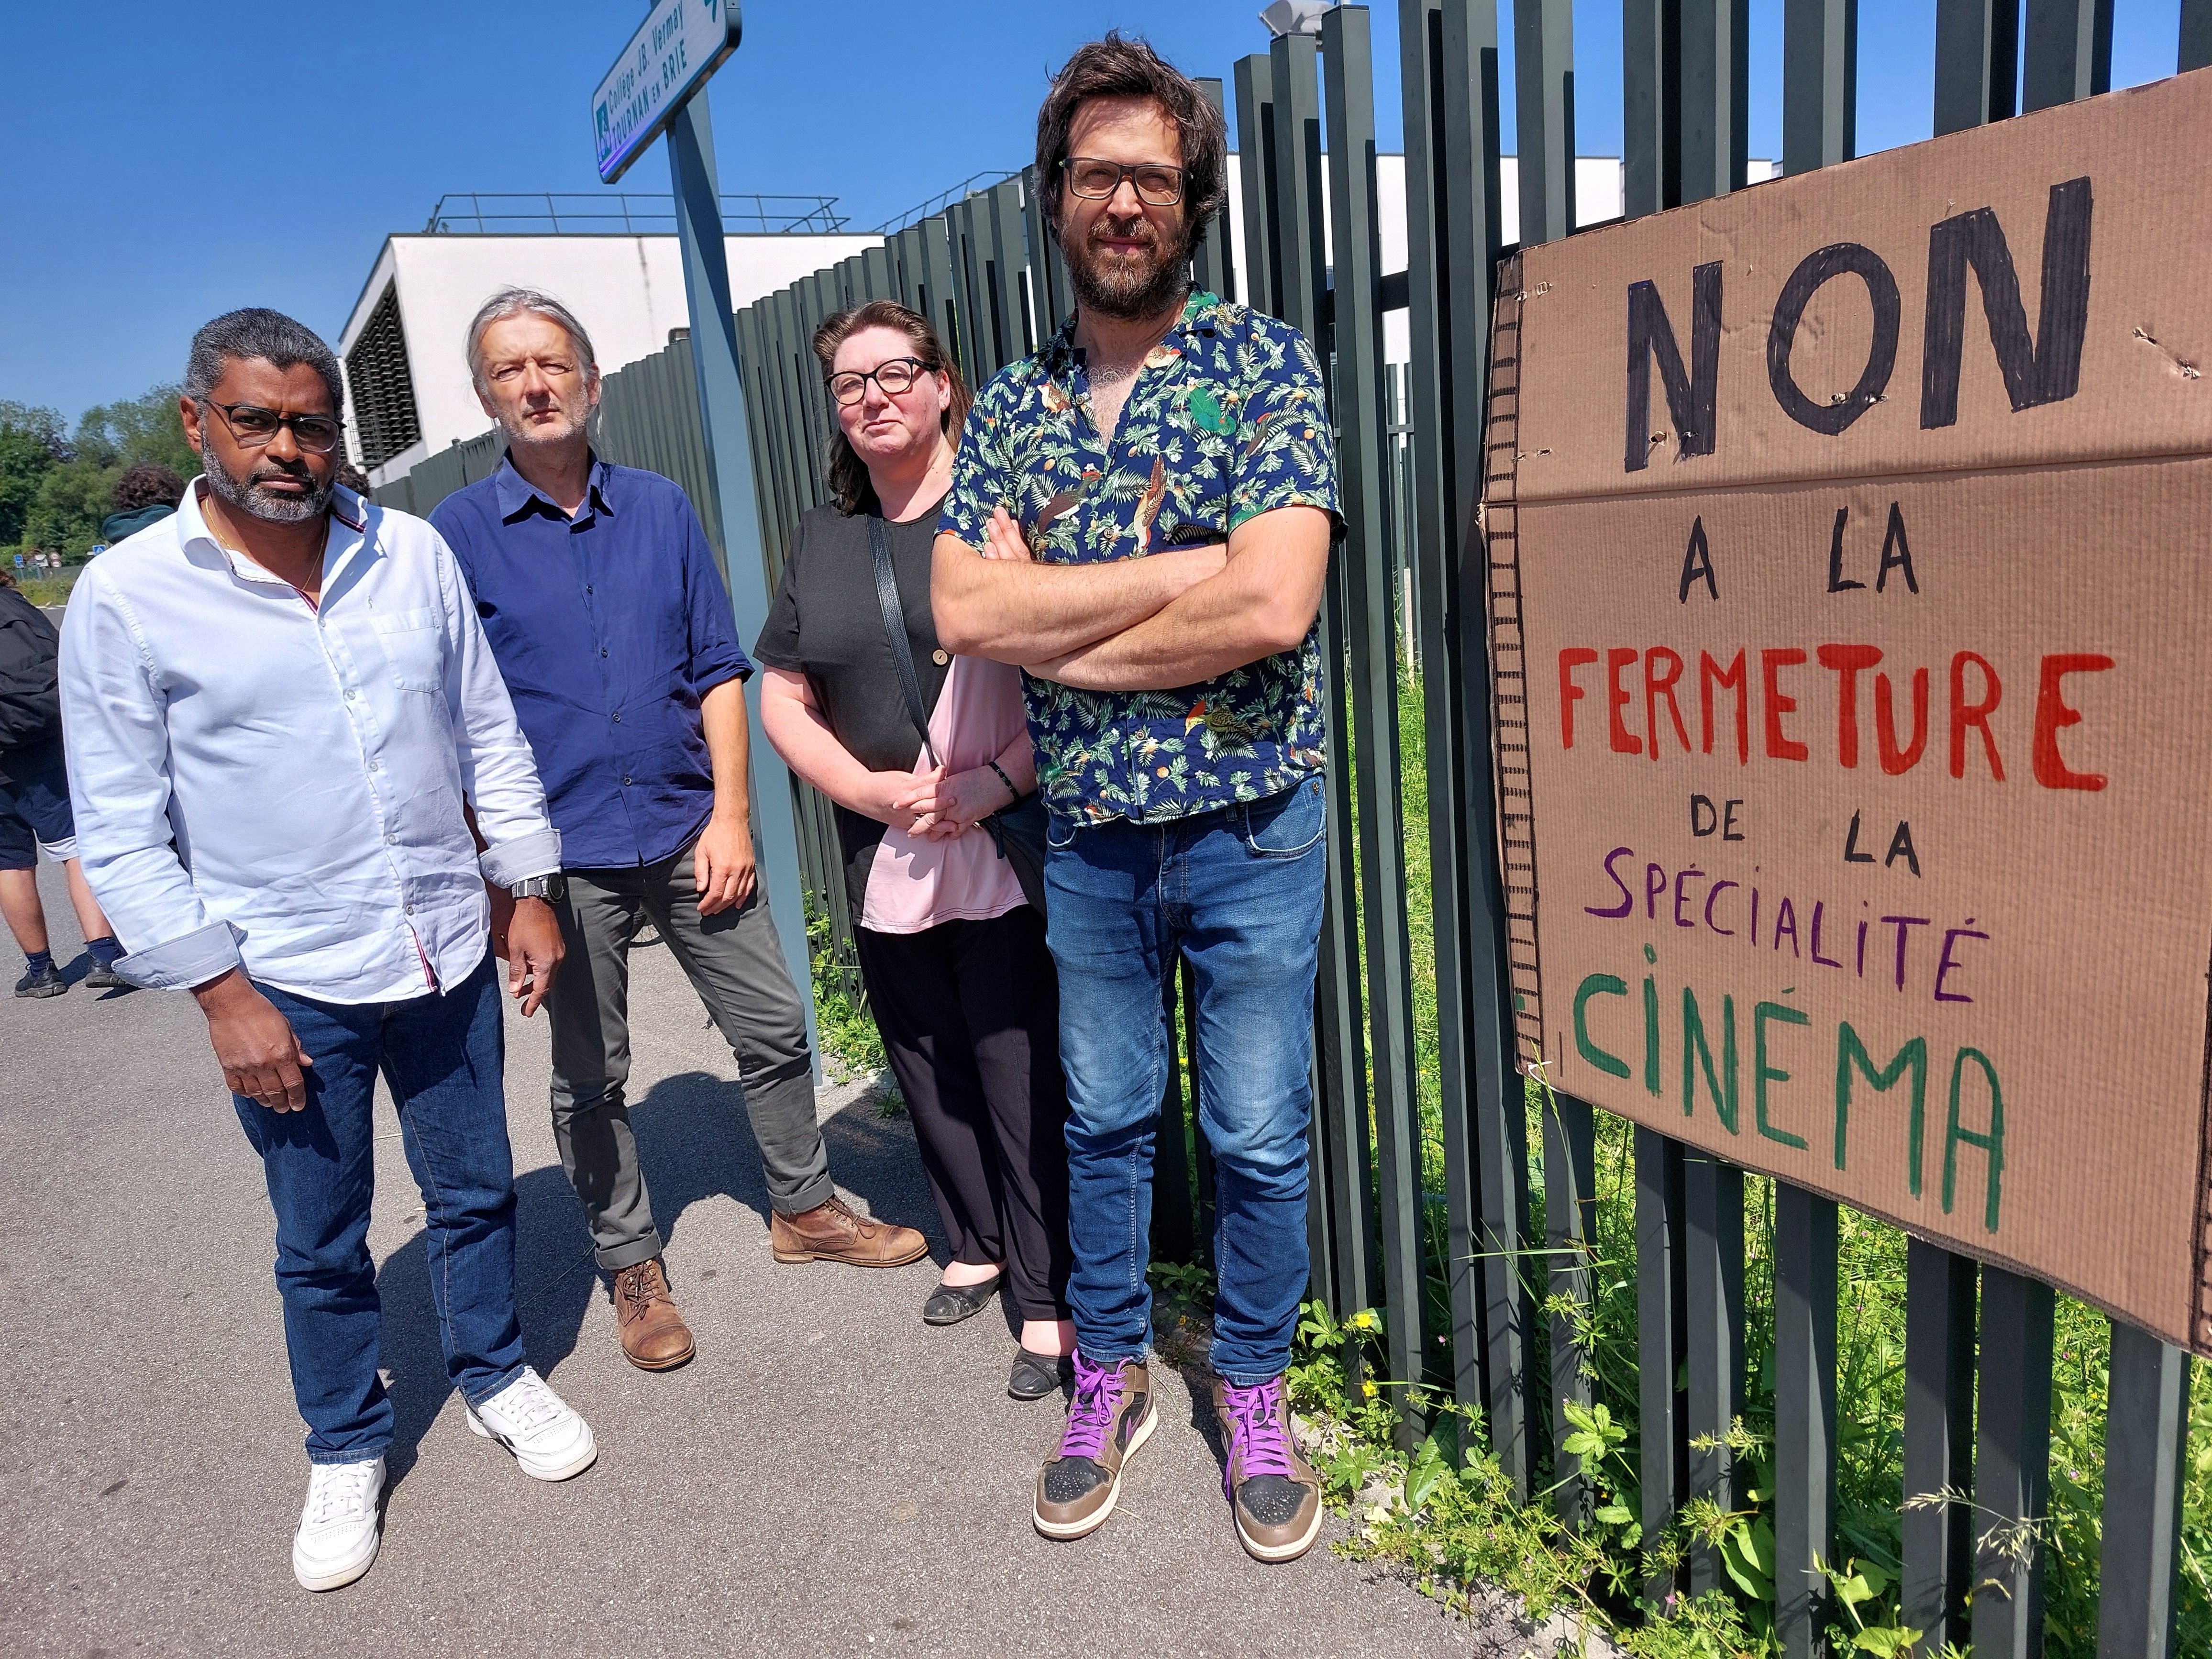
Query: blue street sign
(678, 45)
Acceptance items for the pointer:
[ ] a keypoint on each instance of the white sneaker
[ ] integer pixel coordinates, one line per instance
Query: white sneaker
(546, 1436)
(339, 1529)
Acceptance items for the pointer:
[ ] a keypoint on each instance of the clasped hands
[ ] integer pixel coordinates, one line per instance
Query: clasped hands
(935, 805)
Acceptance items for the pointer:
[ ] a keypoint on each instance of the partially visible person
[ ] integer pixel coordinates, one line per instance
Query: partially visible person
(281, 712)
(1141, 515)
(34, 803)
(352, 478)
(953, 955)
(145, 494)
(601, 601)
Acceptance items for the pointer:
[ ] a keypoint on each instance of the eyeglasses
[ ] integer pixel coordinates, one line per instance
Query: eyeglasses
(1097, 181)
(253, 426)
(894, 377)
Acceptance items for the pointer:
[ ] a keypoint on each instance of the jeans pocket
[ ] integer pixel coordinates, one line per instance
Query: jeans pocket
(1288, 825)
(1058, 833)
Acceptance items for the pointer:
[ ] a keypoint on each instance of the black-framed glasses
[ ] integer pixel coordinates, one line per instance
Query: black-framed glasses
(1097, 181)
(894, 377)
(253, 426)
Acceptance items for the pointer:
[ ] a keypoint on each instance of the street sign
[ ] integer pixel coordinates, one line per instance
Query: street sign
(678, 45)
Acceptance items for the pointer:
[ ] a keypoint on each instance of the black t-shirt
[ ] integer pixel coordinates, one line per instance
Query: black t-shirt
(827, 623)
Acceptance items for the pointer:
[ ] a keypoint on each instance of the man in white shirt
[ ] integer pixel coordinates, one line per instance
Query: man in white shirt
(280, 714)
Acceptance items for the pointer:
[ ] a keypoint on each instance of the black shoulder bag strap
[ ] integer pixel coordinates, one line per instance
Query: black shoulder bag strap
(887, 596)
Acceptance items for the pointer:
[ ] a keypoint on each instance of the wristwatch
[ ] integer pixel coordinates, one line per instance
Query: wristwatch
(551, 888)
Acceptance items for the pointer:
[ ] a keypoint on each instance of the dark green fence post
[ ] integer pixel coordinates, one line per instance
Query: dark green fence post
(2146, 1421)
(2012, 1465)
(1939, 1318)
(1805, 1228)
(1368, 568)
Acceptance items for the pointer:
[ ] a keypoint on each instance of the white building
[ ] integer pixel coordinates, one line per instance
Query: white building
(408, 394)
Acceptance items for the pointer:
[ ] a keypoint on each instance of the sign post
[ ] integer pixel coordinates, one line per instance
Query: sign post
(653, 87)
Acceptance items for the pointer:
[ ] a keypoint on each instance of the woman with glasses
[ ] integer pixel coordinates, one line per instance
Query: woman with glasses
(953, 955)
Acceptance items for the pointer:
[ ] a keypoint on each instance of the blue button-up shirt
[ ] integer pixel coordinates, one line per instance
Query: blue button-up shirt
(263, 780)
(609, 626)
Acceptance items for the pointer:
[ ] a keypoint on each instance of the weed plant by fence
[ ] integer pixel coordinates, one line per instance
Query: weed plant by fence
(1530, 1259)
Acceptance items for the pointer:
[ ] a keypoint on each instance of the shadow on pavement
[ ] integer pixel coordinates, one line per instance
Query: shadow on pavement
(695, 1143)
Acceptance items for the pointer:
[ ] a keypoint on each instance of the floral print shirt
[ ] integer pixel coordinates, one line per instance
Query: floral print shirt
(1227, 419)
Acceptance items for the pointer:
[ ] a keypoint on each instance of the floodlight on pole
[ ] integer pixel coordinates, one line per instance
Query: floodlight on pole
(1295, 17)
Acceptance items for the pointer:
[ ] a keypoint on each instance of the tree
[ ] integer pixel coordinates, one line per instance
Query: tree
(142, 428)
(31, 445)
(54, 491)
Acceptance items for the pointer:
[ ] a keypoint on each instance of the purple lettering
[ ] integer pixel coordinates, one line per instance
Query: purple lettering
(1627, 901)
(1947, 965)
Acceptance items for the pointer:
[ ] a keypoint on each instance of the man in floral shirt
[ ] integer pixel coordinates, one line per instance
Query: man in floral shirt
(1140, 516)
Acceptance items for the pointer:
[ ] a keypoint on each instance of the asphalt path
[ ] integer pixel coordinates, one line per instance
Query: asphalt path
(828, 1476)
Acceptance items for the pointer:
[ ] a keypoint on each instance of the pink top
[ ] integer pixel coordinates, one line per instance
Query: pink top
(915, 883)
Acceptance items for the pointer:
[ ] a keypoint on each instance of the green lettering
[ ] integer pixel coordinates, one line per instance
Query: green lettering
(1992, 1143)
(1597, 985)
(1650, 1036)
(1851, 1052)
(1762, 1073)
(1697, 1051)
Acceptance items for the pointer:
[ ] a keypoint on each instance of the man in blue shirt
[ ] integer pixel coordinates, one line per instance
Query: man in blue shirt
(1153, 495)
(599, 596)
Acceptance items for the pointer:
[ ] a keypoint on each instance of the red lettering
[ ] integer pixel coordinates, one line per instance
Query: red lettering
(1964, 714)
(1710, 674)
(2052, 716)
(1771, 662)
(1846, 660)
(1617, 698)
(1658, 685)
(1894, 760)
(1570, 659)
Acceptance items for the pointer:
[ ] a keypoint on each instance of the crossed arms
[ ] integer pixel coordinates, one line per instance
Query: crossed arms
(1153, 623)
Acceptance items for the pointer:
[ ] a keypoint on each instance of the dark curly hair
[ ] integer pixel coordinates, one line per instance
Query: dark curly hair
(147, 484)
(849, 486)
(1118, 67)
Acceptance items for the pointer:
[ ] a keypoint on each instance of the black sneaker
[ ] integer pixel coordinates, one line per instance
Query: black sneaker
(105, 978)
(42, 983)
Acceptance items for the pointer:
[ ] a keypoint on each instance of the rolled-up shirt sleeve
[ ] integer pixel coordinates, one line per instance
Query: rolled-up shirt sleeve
(499, 772)
(115, 732)
(716, 656)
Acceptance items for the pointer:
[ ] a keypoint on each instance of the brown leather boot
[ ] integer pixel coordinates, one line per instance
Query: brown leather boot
(831, 1232)
(654, 1337)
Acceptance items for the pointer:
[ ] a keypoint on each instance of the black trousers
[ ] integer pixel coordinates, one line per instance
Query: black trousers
(969, 1013)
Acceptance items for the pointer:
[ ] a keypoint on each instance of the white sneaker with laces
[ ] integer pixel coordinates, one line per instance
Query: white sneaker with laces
(339, 1529)
(543, 1431)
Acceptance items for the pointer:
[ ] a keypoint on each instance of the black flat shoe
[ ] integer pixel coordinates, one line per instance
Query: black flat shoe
(1038, 1375)
(949, 1304)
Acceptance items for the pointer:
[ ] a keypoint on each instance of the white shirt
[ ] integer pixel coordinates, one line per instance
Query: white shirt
(264, 780)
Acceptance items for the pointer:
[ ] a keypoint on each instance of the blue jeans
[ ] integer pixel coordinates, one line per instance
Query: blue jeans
(444, 1057)
(1238, 893)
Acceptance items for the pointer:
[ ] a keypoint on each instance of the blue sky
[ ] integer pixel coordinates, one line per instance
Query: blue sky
(172, 162)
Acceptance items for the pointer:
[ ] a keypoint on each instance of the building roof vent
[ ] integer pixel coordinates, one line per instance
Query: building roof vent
(382, 386)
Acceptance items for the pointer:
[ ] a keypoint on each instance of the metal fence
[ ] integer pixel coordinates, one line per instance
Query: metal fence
(1414, 557)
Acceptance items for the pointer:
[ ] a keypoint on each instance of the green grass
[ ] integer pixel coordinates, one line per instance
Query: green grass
(1452, 1519)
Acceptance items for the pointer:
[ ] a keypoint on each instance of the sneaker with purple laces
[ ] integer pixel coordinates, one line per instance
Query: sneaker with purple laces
(1110, 1417)
(1273, 1492)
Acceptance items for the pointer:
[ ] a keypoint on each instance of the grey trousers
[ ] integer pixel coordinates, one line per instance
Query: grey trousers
(735, 963)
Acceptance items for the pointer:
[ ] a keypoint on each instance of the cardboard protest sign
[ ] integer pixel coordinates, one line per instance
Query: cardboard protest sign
(1851, 541)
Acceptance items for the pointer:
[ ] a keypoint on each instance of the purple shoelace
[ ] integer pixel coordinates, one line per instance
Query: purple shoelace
(1258, 1442)
(1090, 1417)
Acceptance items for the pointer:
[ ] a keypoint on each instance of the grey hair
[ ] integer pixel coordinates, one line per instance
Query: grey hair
(519, 301)
(271, 336)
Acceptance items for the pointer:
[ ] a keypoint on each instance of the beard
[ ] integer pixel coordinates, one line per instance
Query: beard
(575, 408)
(249, 497)
(1129, 289)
